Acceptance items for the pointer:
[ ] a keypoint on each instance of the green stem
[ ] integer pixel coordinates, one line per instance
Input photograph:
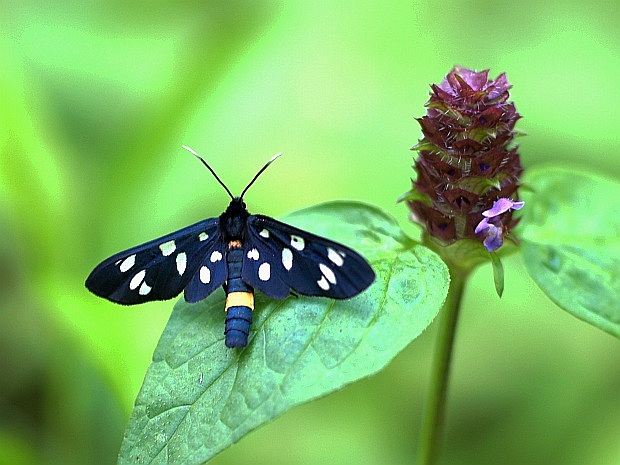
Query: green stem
(436, 400)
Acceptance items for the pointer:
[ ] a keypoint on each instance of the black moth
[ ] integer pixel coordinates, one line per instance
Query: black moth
(239, 251)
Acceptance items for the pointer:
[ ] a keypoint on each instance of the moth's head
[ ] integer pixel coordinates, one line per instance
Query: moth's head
(237, 203)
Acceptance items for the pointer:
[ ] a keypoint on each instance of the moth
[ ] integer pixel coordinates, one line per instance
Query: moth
(239, 251)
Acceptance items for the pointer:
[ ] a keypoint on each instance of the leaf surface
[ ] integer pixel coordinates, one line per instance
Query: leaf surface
(571, 242)
(199, 397)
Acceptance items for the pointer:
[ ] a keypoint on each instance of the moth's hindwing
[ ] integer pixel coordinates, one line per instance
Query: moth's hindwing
(162, 268)
(279, 257)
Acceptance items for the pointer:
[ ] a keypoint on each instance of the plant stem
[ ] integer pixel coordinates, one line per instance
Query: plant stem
(432, 425)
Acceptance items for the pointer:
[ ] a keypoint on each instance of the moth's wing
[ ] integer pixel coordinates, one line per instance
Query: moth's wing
(279, 258)
(211, 273)
(159, 269)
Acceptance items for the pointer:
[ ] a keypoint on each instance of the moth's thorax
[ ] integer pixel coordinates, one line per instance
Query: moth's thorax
(233, 221)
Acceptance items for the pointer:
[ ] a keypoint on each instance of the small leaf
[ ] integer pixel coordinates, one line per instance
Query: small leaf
(498, 273)
(415, 194)
(423, 145)
(199, 397)
(570, 231)
(480, 185)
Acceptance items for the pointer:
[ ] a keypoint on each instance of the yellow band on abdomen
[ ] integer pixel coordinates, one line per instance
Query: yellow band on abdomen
(240, 299)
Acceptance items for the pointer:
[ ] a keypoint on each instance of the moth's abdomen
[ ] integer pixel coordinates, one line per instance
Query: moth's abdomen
(239, 300)
(238, 321)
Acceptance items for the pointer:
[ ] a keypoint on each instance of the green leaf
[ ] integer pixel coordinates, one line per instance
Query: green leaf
(480, 185)
(424, 145)
(571, 242)
(199, 397)
(498, 273)
(414, 194)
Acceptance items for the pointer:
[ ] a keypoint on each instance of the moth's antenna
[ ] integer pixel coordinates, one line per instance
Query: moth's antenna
(259, 173)
(211, 169)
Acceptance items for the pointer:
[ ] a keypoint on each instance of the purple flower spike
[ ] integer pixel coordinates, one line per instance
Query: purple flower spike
(468, 165)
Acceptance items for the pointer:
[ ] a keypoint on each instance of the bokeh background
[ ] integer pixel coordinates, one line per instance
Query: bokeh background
(96, 99)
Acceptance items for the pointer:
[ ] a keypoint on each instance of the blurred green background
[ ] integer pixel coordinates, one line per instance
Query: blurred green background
(96, 99)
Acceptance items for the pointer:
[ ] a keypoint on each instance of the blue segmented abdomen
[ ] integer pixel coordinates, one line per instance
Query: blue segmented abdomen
(239, 302)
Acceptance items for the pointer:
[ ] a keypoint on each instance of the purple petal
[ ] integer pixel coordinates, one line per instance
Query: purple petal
(484, 224)
(476, 80)
(494, 239)
(501, 206)
(500, 86)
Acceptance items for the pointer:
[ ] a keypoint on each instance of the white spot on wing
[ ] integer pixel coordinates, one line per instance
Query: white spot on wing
(203, 236)
(335, 257)
(128, 263)
(137, 279)
(205, 275)
(253, 254)
(264, 233)
(181, 263)
(323, 284)
(297, 242)
(144, 289)
(264, 271)
(216, 256)
(287, 258)
(328, 273)
(167, 248)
